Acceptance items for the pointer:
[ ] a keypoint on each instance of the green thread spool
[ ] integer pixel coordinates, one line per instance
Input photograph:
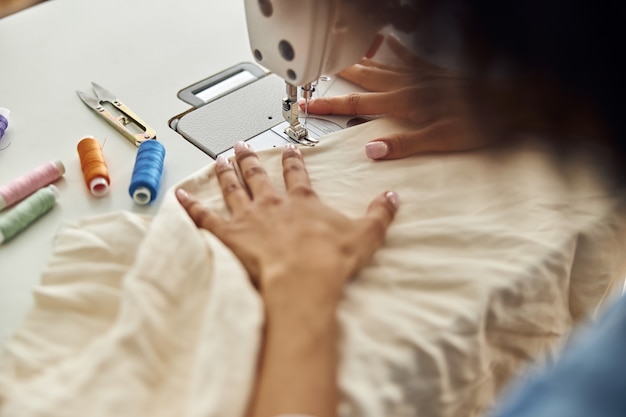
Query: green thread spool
(25, 213)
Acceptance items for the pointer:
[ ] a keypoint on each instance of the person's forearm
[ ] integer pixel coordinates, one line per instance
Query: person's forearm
(298, 366)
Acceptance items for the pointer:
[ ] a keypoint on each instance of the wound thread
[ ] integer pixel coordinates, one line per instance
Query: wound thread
(5, 116)
(147, 172)
(27, 184)
(15, 220)
(94, 166)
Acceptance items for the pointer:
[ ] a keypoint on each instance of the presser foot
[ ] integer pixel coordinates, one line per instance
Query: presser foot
(300, 135)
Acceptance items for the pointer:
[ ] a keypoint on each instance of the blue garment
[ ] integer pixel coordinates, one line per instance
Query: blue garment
(589, 379)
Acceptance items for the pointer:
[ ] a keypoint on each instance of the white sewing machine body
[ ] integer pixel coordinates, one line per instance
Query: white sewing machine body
(303, 43)
(301, 40)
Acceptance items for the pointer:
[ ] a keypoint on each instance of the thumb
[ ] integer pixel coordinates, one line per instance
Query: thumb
(447, 135)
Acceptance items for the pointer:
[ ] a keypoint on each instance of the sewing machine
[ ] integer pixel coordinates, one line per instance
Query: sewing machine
(301, 45)
(300, 41)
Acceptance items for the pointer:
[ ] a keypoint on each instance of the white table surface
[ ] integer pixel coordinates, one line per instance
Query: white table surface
(144, 51)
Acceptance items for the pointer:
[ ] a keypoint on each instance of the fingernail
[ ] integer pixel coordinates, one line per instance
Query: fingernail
(393, 198)
(292, 148)
(376, 149)
(222, 160)
(182, 195)
(240, 146)
(302, 102)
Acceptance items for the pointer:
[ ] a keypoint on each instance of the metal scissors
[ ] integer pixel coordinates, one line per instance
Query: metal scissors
(121, 121)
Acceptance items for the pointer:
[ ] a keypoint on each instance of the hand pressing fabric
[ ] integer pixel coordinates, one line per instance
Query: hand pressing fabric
(299, 253)
(433, 97)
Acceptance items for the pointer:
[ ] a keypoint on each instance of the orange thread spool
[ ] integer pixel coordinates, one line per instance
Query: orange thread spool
(94, 166)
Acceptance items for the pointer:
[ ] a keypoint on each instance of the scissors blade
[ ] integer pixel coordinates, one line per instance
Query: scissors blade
(103, 94)
(88, 99)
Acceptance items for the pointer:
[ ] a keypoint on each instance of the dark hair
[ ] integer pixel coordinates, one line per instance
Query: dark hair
(567, 51)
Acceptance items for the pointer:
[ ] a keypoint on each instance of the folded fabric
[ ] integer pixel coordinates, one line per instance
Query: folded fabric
(492, 258)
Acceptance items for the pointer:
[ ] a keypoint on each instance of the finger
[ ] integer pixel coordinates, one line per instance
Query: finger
(377, 79)
(235, 195)
(378, 217)
(419, 73)
(252, 170)
(378, 40)
(449, 135)
(202, 217)
(400, 69)
(417, 104)
(383, 208)
(394, 103)
(294, 172)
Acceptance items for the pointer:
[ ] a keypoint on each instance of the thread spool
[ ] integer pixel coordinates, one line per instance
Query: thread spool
(27, 184)
(94, 166)
(146, 178)
(13, 221)
(5, 116)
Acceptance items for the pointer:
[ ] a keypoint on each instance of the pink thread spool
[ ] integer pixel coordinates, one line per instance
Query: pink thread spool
(27, 184)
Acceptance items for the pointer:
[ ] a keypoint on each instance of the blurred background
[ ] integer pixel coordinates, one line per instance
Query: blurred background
(8, 7)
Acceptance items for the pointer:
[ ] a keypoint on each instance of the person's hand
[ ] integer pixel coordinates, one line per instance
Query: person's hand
(291, 244)
(433, 97)
(300, 253)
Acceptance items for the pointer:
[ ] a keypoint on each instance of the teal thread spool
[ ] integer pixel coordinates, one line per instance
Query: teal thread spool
(25, 213)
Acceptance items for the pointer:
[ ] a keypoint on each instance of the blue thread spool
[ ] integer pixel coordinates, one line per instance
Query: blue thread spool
(146, 179)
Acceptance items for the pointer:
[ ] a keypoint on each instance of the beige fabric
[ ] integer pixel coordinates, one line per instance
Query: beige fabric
(490, 260)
